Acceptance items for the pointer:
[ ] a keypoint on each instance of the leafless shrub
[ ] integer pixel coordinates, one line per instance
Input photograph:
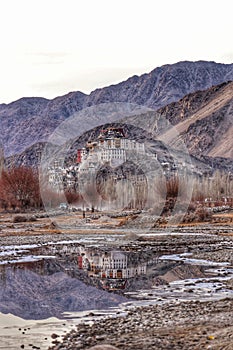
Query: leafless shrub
(202, 214)
(172, 185)
(73, 197)
(20, 218)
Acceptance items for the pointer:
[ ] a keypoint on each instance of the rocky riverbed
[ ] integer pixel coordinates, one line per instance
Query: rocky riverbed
(187, 325)
(183, 300)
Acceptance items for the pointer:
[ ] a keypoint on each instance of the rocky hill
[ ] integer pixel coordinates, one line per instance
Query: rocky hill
(164, 153)
(31, 120)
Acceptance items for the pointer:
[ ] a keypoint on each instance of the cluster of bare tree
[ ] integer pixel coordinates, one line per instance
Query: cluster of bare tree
(122, 193)
(161, 195)
(218, 187)
(19, 188)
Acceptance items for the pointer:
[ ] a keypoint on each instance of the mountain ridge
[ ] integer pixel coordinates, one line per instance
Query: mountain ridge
(30, 120)
(135, 76)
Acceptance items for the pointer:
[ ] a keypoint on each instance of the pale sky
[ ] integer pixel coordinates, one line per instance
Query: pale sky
(51, 47)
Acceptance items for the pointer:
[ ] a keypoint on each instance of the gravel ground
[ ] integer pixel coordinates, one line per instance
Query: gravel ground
(188, 325)
(222, 255)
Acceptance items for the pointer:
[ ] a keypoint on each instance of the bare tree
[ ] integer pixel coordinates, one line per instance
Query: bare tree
(20, 187)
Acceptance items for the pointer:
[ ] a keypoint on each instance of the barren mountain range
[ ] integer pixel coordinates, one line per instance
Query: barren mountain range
(196, 97)
(204, 120)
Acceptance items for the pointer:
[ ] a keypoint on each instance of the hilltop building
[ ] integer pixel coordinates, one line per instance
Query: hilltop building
(111, 146)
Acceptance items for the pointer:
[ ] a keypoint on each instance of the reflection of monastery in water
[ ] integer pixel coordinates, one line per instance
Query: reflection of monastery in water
(112, 268)
(100, 267)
